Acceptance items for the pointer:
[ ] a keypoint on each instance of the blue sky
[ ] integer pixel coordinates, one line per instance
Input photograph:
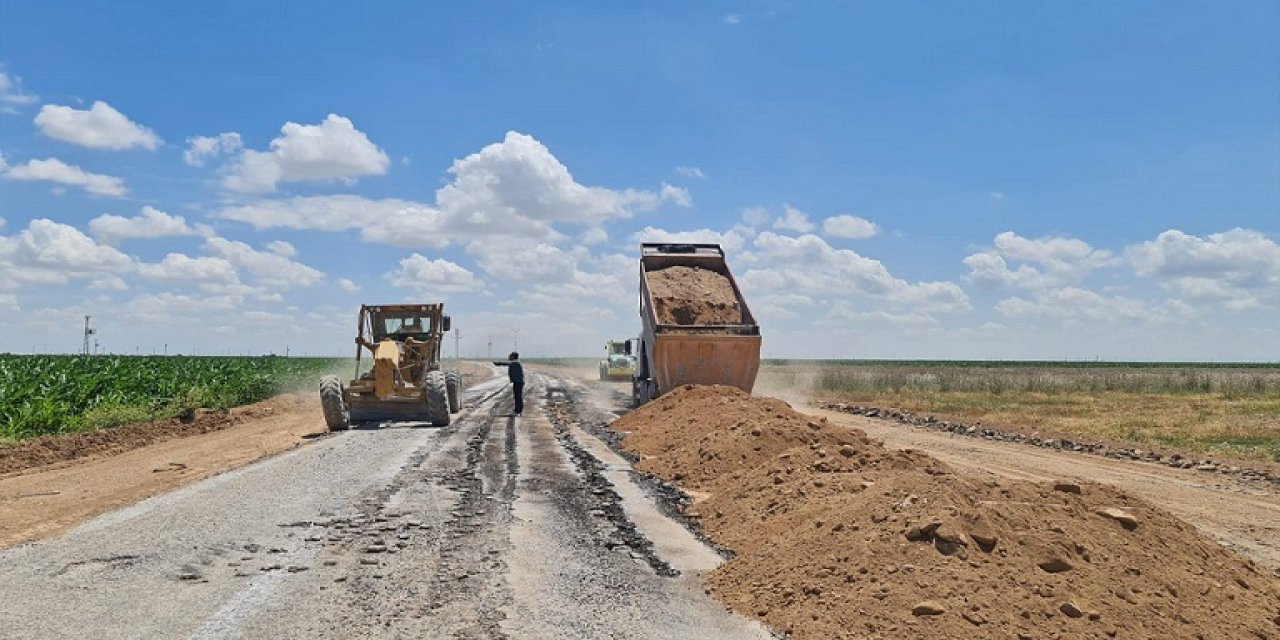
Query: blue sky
(892, 179)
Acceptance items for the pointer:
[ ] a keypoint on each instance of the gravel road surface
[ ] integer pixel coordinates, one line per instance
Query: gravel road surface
(494, 527)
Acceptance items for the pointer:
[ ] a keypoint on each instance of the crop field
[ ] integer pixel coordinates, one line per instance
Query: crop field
(59, 394)
(1230, 409)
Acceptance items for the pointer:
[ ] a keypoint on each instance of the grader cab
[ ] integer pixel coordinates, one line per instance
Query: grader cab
(406, 382)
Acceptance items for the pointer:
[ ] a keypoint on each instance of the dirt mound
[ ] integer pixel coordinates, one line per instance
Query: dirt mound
(59, 448)
(688, 295)
(837, 536)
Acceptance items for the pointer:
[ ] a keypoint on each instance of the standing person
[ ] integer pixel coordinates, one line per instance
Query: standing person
(515, 373)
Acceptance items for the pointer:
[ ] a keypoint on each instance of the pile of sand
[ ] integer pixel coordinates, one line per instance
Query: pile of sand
(689, 296)
(838, 537)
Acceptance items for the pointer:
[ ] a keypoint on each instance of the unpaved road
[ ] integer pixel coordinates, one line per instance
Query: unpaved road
(495, 527)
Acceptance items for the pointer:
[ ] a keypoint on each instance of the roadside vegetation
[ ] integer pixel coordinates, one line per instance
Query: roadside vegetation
(61, 394)
(1231, 409)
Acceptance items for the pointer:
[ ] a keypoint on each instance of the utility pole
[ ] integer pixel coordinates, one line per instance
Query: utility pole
(515, 339)
(457, 337)
(87, 332)
(490, 357)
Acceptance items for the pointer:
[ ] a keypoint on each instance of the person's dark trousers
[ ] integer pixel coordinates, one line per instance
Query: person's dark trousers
(517, 388)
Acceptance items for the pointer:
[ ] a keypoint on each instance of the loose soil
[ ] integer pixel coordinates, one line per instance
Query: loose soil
(53, 483)
(837, 536)
(693, 296)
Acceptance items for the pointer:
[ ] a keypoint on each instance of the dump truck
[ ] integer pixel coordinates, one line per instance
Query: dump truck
(405, 381)
(618, 363)
(696, 327)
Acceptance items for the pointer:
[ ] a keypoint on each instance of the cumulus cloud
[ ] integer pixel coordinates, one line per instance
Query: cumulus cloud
(1240, 267)
(1074, 303)
(847, 226)
(690, 172)
(523, 261)
(48, 252)
(793, 219)
(282, 248)
(12, 94)
(201, 149)
(427, 276)
(731, 241)
(1045, 262)
(514, 188)
(678, 195)
(346, 285)
(98, 127)
(518, 182)
(54, 170)
(333, 150)
(266, 268)
(808, 265)
(177, 267)
(149, 223)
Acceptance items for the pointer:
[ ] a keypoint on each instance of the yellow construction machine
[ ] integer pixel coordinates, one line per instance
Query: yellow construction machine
(406, 381)
(618, 363)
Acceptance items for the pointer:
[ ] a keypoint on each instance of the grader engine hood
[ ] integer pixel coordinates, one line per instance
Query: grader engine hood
(386, 368)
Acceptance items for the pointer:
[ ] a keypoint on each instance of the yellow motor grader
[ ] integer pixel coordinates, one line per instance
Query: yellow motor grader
(406, 381)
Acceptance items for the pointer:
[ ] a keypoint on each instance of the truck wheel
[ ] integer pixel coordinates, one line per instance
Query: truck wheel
(437, 399)
(453, 388)
(335, 413)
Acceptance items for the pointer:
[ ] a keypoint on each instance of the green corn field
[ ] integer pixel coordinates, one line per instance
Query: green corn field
(60, 394)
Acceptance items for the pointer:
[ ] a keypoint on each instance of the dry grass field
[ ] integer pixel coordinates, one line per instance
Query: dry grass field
(1222, 409)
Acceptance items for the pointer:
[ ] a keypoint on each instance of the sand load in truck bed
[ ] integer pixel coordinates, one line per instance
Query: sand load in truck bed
(839, 537)
(693, 296)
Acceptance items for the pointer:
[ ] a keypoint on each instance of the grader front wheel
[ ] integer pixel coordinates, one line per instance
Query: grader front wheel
(453, 388)
(335, 411)
(437, 399)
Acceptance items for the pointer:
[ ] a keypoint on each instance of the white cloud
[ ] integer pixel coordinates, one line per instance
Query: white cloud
(1048, 262)
(847, 226)
(98, 127)
(282, 248)
(48, 252)
(843, 313)
(808, 265)
(793, 219)
(427, 276)
(1074, 303)
(690, 172)
(346, 285)
(54, 170)
(12, 93)
(333, 150)
(731, 19)
(9, 302)
(267, 268)
(1239, 268)
(518, 187)
(177, 267)
(513, 188)
(678, 195)
(149, 223)
(731, 241)
(523, 261)
(201, 149)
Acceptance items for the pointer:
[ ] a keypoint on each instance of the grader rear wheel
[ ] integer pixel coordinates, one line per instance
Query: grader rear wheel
(335, 411)
(453, 388)
(437, 399)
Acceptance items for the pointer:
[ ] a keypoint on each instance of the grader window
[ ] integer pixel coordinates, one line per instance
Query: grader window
(404, 324)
